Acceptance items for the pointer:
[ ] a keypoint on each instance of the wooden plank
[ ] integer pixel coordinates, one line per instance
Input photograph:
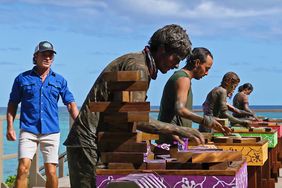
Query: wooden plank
(184, 157)
(155, 164)
(209, 156)
(223, 121)
(118, 127)
(122, 157)
(123, 117)
(122, 76)
(116, 136)
(218, 166)
(159, 151)
(132, 166)
(222, 139)
(121, 96)
(142, 136)
(119, 106)
(127, 146)
(245, 140)
(277, 120)
(128, 86)
(188, 165)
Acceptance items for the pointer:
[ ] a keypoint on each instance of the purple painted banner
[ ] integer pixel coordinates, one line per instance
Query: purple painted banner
(190, 181)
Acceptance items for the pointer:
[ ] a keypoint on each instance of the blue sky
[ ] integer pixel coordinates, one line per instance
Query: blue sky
(244, 37)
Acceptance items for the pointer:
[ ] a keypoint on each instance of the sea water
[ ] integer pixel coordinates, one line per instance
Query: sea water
(10, 166)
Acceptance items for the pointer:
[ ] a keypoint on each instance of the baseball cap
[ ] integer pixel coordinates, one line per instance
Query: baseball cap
(44, 46)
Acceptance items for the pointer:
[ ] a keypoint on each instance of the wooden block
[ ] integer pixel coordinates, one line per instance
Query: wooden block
(266, 123)
(122, 157)
(116, 136)
(206, 147)
(240, 129)
(122, 147)
(118, 127)
(218, 166)
(222, 139)
(119, 106)
(184, 157)
(223, 121)
(173, 150)
(123, 117)
(132, 166)
(128, 86)
(142, 136)
(122, 96)
(249, 140)
(182, 166)
(159, 151)
(156, 164)
(165, 157)
(277, 120)
(211, 156)
(122, 76)
(257, 129)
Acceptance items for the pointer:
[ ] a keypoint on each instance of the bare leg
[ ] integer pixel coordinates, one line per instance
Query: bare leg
(23, 171)
(52, 179)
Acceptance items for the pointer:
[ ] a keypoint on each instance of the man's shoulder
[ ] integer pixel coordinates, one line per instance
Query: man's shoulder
(57, 76)
(24, 74)
(218, 90)
(129, 61)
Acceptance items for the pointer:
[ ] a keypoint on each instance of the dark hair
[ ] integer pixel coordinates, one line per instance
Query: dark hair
(230, 76)
(197, 53)
(173, 38)
(248, 86)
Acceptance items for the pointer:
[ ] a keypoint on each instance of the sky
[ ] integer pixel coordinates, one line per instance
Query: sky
(243, 36)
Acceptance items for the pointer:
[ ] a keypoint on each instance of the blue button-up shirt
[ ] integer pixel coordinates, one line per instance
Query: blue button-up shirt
(39, 101)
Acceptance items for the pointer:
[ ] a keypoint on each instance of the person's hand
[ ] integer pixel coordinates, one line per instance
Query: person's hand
(192, 134)
(11, 135)
(246, 123)
(221, 128)
(211, 122)
(178, 139)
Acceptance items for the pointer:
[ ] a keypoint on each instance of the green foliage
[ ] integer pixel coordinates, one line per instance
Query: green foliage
(10, 181)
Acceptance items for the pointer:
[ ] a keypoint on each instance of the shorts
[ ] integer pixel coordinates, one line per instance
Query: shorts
(49, 146)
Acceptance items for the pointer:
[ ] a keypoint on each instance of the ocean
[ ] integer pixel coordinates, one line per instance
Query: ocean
(10, 165)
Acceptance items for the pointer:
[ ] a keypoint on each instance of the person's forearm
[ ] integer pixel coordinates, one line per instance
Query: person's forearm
(244, 112)
(185, 113)
(158, 127)
(11, 114)
(73, 110)
(232, 118)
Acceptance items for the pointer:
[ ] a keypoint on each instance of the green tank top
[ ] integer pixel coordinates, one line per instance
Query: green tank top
(167, 106)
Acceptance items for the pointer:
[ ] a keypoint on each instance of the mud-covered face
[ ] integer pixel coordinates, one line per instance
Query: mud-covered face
(230, 87)
(202, 70)
(167, 62)
(248, 91)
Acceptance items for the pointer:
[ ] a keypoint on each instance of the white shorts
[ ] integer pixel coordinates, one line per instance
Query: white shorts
(49, 146)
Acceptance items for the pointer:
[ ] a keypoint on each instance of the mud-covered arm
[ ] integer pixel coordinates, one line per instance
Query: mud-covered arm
(247, 107)
(224, 109)
(183, 85)
(238, 111)
(158, 127)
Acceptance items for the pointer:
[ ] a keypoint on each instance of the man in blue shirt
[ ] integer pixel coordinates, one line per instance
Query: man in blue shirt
(38, 90)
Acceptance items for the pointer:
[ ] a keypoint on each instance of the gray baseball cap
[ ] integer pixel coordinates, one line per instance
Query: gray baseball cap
(44, 46)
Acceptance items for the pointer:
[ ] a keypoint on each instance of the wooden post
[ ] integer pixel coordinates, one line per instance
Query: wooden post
(35, 178)
(1, 150)
(61, 166)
